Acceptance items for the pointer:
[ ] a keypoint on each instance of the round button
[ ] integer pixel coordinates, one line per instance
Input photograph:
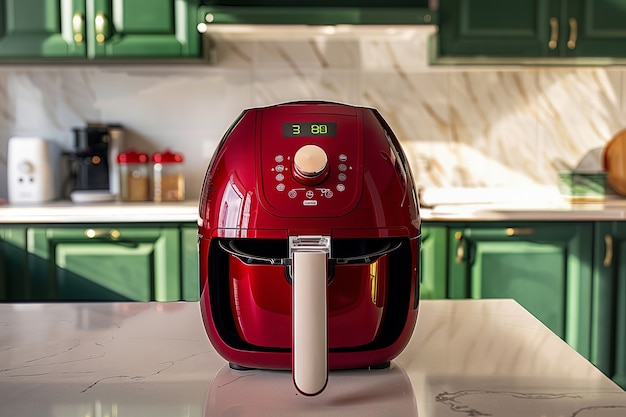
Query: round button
(292, 194)
(280, 187)
(279, 168)
(343, 157)
(310, 164)
(342, 177)
(342, 167)
(279, 158)
(341, 187)
(309, 194)
(280, 177)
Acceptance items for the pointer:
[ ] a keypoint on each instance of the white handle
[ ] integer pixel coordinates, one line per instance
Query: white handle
(310, 337)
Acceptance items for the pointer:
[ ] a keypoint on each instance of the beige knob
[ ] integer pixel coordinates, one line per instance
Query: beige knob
(310, 161)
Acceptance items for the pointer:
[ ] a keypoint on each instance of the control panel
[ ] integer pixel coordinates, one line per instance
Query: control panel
(311, 164)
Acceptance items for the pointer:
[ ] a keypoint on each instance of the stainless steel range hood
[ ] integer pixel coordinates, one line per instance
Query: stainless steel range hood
(319, 17)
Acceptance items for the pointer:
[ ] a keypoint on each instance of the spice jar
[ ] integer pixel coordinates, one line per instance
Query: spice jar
(168, 176)
(134, 176)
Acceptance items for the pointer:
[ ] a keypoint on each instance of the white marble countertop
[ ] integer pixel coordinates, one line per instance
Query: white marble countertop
(535, 204)
(466, 358)
(108, 212)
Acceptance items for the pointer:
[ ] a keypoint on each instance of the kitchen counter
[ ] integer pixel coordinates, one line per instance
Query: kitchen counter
(456, 206)
(466, 358)
(108, 212)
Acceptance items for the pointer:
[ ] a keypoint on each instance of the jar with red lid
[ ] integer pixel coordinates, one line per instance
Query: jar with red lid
(168, 176)
(134, 171)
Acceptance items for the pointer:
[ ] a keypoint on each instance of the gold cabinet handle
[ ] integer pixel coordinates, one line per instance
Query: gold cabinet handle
(554, 33)
(510, 231)
(573, 33)
(460, 253)
(101, 25)
(113, 234)
(78, 27)
(608, 250)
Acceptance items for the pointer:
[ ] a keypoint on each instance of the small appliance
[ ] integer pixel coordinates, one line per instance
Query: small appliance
(94, 162)
(33, 170)
(309, 238)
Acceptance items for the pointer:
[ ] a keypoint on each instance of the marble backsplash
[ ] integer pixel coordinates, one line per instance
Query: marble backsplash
(459, 126)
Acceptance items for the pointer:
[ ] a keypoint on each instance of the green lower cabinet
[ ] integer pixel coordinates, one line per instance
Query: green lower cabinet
(433, 262)
(13, 263)
(190, 268)
(546, 267)
(104, 263)
(609, 289)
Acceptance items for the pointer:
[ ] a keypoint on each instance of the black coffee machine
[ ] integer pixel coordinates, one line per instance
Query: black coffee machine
(94, 162)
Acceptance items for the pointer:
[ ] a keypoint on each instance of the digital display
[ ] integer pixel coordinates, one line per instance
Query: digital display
(292, 130)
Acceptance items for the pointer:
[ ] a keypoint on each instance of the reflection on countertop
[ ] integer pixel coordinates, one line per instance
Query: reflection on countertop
(466, 358)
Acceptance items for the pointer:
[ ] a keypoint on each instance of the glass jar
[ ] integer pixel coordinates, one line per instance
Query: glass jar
(134, 176)
(168, 176)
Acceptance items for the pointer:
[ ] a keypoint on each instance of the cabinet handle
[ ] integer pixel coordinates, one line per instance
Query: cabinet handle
(460, 253)
(113, 234)
(554, 33)
(519, 231)
(573, 33)
(78, 25)
(101, 25)
(608, 250)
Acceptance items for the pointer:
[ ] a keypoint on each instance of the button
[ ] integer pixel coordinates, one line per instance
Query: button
(279, 168)
(342, 177)
(342, 167)
(309, 194)
(328, 193)
(292, 194)
(280, 177)
(310, 202)
(280, 187)
(279, 158)
(343, 157)
(341, 187)
(310, 164)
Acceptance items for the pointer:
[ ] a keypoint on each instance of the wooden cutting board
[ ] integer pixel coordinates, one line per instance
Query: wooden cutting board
(614, 162)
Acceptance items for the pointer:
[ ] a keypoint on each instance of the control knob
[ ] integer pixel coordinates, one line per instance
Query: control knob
(310, 165)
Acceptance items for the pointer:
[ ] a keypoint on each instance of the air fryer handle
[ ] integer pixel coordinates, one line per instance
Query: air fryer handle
(310, 337)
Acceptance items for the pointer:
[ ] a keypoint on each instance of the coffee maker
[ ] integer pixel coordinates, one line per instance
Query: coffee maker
(94, 162)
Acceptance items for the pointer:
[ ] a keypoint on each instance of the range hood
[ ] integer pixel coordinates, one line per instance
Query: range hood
(310, 16)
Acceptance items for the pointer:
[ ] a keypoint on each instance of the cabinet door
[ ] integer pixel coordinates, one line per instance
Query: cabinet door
(595, 28)
(433, 262)
(105, 263)
(498, 28)
(608, 350)
(546, 267)
(13, 263)
(142, 28)
(41, 28)
(190, 268)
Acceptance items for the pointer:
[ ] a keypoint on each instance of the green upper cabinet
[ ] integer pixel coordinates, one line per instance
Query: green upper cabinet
(41, 28)
(98, 29)
(609, 291)
(532, 28)
(546, 267)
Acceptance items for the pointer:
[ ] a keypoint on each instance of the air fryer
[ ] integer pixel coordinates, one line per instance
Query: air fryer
(309, 237)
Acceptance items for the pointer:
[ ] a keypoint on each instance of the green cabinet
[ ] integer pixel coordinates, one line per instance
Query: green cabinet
(190, 268)
(609, 289)
(534, 28)
(546, 267)
(104, 262)
(13, 263)
(433, 262)
(98, 28)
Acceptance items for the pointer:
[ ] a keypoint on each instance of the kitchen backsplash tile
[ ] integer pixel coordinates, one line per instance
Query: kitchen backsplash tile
(460, 126)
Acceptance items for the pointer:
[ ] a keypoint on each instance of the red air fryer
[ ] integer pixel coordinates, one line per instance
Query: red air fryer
(309, 242)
